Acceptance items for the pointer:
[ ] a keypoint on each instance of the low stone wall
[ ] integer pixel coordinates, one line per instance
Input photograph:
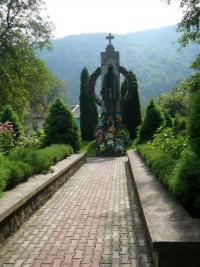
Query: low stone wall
(17, 205)
(174, 237)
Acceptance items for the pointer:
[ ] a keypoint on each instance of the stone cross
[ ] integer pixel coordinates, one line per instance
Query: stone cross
(110, 37)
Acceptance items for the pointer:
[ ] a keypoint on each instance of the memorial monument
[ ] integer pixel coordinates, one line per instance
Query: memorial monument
(110, 80)
(111, 135)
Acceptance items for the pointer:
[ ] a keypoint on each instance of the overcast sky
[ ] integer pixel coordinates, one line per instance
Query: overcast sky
(86, 16)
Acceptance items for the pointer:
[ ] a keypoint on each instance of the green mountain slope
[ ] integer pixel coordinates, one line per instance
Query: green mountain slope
(153, 56)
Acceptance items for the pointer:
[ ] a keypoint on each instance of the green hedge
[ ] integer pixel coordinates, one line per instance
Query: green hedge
(181, 177)
(161, 163)
(23, 163)
(185, 183)
(4, 174)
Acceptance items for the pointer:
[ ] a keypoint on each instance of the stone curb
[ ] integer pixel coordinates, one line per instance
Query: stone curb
(18, 204)
(174, 237)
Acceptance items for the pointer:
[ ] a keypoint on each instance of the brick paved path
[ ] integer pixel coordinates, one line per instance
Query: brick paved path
(88, 222)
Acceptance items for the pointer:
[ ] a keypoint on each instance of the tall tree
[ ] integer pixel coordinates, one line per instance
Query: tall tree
(88, 109)
(60, 126)
(23, 77)
(130, 106)
(23, 20)
(152, 121)
(190, 23)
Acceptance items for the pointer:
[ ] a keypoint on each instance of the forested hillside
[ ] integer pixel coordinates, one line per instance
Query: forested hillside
(152, 55)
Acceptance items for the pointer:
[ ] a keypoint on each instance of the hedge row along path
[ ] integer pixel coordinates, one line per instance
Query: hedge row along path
(93, 220)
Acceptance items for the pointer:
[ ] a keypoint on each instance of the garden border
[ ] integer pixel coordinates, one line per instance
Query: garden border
(174, 237)
(17, 205)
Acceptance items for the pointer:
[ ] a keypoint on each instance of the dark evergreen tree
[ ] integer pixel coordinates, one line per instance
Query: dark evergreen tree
(88, 109)
(152, 121)
(124, 87)
(130, 106)
(9, 115)
(60, 126)
(194, 123)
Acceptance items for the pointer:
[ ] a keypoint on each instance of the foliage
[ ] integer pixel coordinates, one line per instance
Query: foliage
(124, 135)
(190, 22)
(18, 172)
(194, 123)
(196, 63)
(175, 101)
(168, 119)
(161, 163)
(8, 115)
(41, 159)
(152, 121)
(60, 127)
(7, 137)
(184, 180)
(170, 142)
(23, 20)
(181, 177)
(22, 163)
(42, 86)
(88, 109)
(24, 80)
(30, 139)
(4, 174)
(130, 106)
(185, 183)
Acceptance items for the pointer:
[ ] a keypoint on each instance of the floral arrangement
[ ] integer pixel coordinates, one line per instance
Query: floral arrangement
(111, 136)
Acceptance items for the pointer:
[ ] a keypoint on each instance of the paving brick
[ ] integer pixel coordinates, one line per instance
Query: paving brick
(78, 254)
(93, 220)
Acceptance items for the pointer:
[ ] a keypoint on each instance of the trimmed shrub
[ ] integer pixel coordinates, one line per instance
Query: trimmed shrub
(185, 183)
(160, 163)
(22, 163)
(60, 127)
(182, 177)
(18, 172)
(41, 159)
(152, 121)
(4, 174)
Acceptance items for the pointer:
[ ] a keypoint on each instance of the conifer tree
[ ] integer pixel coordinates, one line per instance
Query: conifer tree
(152, 121)
(60, 127)
(9, 115)
(88, 109)
(130, 106)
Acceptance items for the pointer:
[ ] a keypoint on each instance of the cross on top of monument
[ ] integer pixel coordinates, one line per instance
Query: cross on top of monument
(110, 37)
